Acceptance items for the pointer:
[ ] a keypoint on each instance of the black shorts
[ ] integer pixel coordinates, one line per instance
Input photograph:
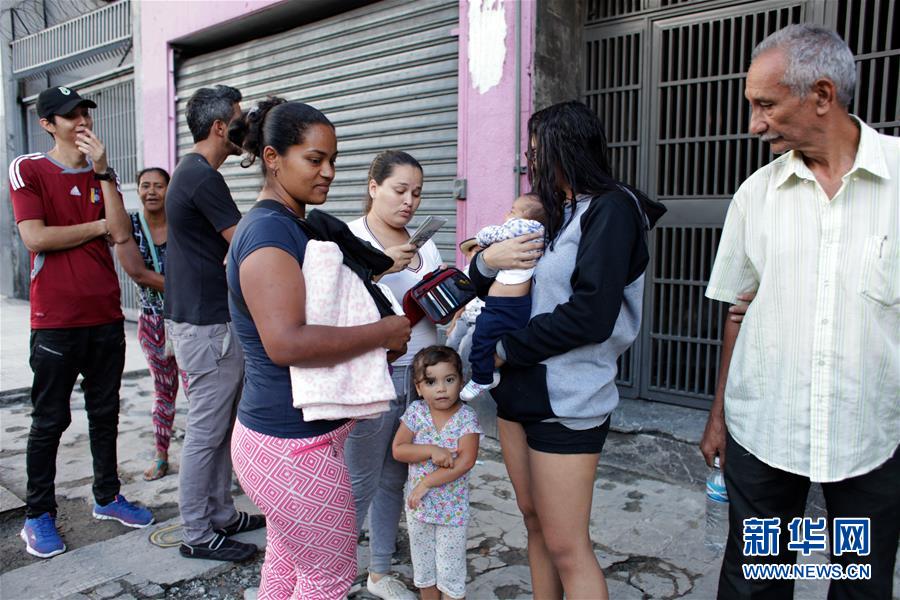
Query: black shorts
(556, 438)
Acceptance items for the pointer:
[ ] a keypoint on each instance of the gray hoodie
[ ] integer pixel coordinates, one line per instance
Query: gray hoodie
(586, 311)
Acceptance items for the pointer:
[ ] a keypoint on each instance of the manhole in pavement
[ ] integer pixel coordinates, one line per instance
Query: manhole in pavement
(167, 537)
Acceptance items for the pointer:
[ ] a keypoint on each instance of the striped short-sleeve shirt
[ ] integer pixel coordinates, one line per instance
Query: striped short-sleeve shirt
(814, 382)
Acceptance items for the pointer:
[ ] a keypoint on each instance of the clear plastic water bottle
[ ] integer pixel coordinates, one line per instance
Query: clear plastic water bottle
(716, 509)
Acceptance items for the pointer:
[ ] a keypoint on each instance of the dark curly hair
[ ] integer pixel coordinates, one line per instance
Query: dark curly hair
(432, 355)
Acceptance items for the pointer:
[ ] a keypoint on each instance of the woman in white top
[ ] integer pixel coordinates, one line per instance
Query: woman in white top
(394, 193)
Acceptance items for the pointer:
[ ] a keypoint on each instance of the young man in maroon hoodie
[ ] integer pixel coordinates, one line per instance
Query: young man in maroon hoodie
(69, 210)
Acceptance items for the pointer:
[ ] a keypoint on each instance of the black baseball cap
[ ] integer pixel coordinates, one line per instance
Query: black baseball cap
(60, 101)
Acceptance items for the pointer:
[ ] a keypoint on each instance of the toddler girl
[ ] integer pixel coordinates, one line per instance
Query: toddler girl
(438, 437)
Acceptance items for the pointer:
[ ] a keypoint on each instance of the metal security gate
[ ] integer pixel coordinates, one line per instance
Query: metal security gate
(613, 80)
(667, 79)
(872, 29)
(386, 76)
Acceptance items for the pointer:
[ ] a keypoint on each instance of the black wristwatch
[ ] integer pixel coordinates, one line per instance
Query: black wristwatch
(109, 175)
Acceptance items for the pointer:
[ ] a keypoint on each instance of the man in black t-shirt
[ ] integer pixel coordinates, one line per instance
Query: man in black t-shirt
(202, 217)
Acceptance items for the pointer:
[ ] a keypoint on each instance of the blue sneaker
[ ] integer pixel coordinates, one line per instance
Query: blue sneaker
(124, 512)
(41, 538)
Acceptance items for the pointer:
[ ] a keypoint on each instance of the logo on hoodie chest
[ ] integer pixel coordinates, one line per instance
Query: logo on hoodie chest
(94, 196)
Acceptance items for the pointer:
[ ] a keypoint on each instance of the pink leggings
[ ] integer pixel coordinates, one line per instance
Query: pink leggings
(303, 488)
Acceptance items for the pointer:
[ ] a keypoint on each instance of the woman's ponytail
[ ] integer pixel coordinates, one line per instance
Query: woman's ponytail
(254, 133)
(277, 123)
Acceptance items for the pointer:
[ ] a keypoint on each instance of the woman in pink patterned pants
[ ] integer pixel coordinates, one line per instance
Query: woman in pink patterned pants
(303, 488)
(293, 469)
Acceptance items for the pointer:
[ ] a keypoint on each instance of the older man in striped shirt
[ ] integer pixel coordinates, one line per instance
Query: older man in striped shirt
(808, 384)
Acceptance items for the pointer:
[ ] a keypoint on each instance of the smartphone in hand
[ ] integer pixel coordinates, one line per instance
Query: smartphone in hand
(426, 230)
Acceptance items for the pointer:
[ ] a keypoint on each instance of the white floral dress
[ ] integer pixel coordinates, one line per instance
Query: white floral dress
(447, 504)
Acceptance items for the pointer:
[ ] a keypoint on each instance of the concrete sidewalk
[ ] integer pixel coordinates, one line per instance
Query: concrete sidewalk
(647, 523)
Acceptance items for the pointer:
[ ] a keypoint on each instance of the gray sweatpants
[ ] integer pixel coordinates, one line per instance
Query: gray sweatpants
(377, 478)
(212, 358)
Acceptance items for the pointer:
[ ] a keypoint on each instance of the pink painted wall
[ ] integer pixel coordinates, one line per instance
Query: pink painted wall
(162, 21)
(487, 123)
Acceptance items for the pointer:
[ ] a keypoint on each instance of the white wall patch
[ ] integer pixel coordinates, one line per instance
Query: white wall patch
(487, 43)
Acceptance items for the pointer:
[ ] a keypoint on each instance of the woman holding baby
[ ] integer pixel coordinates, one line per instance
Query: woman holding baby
(557, 374)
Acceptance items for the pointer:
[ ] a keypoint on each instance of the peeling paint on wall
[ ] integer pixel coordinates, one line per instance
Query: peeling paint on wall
(487, 43)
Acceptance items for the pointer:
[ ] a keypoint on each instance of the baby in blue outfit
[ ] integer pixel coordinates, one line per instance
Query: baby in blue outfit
(508, 304)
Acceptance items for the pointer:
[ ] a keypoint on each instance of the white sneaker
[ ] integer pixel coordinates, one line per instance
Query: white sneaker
(473, 389)
(389, 588)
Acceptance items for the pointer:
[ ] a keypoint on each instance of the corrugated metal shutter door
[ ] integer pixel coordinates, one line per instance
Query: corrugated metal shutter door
(386, 76)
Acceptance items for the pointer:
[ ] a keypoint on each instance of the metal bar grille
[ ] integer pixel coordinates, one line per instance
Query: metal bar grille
(38, 140)
(613, 91)
(93, 33)
(877, 51)
(701, 116)
(131, 303)
(607, 9)
(614, 94)
(703, 152)
(686, 326)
